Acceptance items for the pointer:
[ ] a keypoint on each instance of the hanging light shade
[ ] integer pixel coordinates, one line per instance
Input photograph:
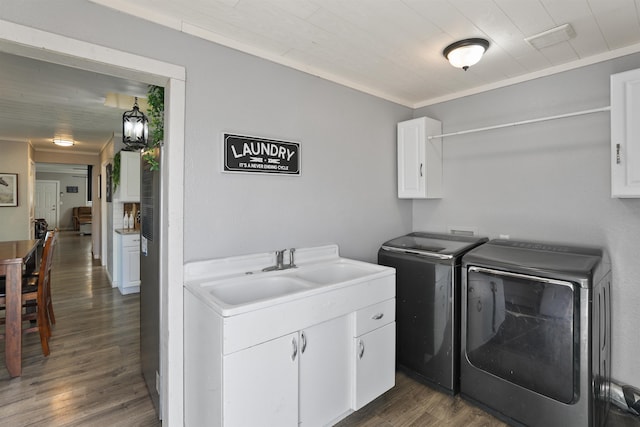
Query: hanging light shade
(135, 128)
(465, 53)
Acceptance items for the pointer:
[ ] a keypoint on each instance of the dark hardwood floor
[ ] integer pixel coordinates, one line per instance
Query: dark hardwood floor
(92, 376)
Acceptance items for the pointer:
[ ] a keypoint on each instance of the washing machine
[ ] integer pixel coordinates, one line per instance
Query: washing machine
(428, 303)
(535, 346)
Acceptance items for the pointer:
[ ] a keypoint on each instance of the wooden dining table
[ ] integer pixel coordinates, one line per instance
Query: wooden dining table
(13, 255)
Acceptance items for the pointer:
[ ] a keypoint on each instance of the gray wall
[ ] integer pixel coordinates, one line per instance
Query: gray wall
(346, 193)
(548, 181)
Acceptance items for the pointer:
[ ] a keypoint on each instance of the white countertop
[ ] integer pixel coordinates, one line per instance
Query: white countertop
(127, 231)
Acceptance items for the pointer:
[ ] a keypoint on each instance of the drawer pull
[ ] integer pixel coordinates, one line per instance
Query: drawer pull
(377, 316)
(361, 352)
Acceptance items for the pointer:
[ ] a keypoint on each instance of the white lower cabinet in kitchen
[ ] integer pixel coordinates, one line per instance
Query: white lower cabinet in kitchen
(127, 262)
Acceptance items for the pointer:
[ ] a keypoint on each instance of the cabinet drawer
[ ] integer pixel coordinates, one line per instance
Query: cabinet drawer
(375, 316)
(132, 240)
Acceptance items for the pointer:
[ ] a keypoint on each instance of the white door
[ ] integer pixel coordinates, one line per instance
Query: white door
(47, 197)
(260, 385)
(325, 372)
(375, 364)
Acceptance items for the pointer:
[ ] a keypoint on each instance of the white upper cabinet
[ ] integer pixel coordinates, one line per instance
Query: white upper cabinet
(625, 134)
(419, 159)
(129, 188)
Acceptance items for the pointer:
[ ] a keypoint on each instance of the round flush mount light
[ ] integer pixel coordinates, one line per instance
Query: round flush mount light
(465, 53)
(63, 142)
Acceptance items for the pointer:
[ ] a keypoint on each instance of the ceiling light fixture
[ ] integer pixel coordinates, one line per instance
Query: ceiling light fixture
(63, 142)
(465, 53)
(135, 128)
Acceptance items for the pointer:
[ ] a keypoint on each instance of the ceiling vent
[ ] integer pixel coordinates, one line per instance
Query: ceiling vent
(551, 37)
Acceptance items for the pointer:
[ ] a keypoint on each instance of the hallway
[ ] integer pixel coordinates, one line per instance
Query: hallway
(92, 376)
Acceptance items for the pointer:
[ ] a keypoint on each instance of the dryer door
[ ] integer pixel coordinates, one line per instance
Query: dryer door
(521, 328)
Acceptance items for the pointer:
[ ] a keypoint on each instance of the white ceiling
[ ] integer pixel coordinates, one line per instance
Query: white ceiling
(388, 48)
(393, 48)
(40, 101)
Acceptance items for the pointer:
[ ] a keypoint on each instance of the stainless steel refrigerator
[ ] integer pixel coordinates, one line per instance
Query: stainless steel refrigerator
(150, 238)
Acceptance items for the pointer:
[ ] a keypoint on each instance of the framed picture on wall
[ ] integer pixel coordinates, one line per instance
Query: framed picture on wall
(8, 189)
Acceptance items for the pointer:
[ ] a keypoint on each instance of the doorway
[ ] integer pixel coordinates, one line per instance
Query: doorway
(48, 201)
(42, 45)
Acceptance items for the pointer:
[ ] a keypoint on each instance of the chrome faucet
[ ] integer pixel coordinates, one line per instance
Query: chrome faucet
(280, 265)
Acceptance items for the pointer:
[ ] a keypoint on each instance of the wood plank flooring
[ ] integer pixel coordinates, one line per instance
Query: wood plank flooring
(92, 376)
(412, 404)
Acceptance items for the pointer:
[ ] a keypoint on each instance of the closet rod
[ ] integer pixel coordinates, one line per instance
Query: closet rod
(524, 122)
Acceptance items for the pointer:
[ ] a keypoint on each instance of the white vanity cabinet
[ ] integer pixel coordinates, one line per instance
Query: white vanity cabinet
(419, 159)
(375, 352)
(625, 134)
(129, 188)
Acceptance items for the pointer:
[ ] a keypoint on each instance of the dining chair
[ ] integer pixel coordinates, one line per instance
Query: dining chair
(34, 293)
(33, 276)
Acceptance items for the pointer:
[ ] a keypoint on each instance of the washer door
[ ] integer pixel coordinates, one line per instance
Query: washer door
(521, 328)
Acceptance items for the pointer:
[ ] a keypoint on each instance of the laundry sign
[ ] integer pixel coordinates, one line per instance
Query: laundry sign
(260, 155)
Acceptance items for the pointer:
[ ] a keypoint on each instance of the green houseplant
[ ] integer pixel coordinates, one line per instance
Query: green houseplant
(115, 173)
(155, 100)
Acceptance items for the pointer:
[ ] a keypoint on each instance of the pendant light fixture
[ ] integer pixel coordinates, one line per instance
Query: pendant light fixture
(465, 53)
(135, 128)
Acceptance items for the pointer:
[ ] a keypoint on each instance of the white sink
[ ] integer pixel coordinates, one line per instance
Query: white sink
(335, 272)
(237, 292)
(238, 284)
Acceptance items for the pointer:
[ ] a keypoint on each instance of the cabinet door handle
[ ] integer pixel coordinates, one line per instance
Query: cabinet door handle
(361, 346)
(304, 343)
(377, 316)
(618, 154)
(294, 344)
(421, 167)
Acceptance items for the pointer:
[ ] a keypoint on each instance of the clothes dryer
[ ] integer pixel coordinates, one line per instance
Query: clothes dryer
(535, 346)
